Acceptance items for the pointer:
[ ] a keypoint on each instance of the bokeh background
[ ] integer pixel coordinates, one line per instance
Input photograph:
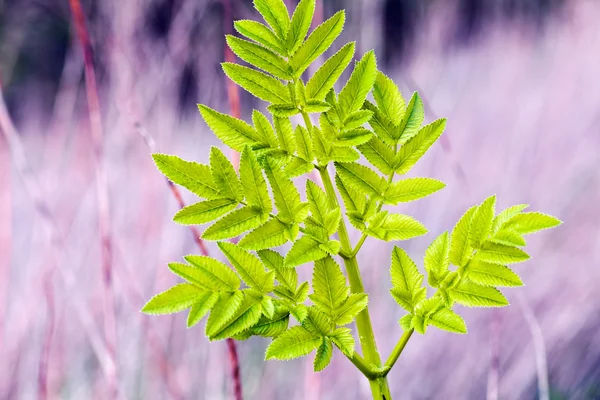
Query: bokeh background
(519, 81)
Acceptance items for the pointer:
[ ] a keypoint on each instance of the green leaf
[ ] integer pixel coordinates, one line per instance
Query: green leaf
(235, 223)
(472, 295)
(300, 312)
(323, 356)
(361, 178)
(500, 254)
(264, 129)
(285, 134)
(361, 82)
(274, 262)
(406, 280)
(293, 343)
(411, 189)
(416, 147)
(318, 202)
(275, 14)
(331, 246)
(247, 315)
(300, 24)
(255, 186)
(176, 299)
(268, 307)
(382, 126)
(319, 40)
(272, 327)
(321, 146)
(412, 120)
(210, 273)
(204, 211)
(250, 268)
(285, 193)
(201, 308)
(296, 167)
(304, 144)
(234, 132)
(354, 201)
(329, 286)
(509, 238)
(348, 311)
(505, 216)
(388, 98)
(355, 137)
(316, 106)
(259, 33)
(304, 250)
(395, 227)
(317, 322)
(260, 85)
(460, 249)
(283, 110)
(343, 339)
(357, 119)
(532, 222)
(271, 234)
(437, 260)
(481, 223)
(192, 176)
(224, 310)
(260, 57)
(406, 322)
(326, 76)
(448, 320)
(487, 274)
(224, 175)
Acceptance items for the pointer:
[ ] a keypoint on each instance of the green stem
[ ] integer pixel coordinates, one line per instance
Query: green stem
(398, 349)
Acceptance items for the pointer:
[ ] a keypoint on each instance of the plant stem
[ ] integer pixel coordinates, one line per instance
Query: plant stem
(398, 349)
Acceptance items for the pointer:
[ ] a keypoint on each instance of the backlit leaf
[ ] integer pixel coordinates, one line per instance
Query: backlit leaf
(326, 76)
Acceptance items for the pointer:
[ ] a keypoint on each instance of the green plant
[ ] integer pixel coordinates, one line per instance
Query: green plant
(268, 295)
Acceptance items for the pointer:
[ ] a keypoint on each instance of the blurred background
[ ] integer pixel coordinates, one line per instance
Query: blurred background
(84, 244)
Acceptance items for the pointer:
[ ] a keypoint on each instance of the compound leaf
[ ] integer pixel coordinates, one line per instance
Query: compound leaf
(473, 295)
(362, 179)
(496, 253)
(204, 211)
(411, 189)
(379, 154)
(412, 119)
(300, 24)
(323, 356)
(293, 343)
(437, 259)
(275, 14)
(343, 339)
(271, 234)
(285, 193)
(250, 268)
(192, 176)
(201, 308)
(487, 274)
(416, 147)
(209, 273)
(531, 222)
(175, 299)
(448, 320)
(259, 33)
(390, 227)
(323, 80)
(255, 186)
(304, 250)
(260, 85)
(361, 82)
(329, 286)
(234, 132)
(224, 175)
(235, 223)
(460, 249)
(260, 57)
(388, 98)
(481, 223)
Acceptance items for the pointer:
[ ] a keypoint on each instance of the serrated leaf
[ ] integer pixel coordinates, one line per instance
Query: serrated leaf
(274, 262)
(250, 268)
(406, 322)
(319, 40)
(285, 193)
(411, 189)
(283, 110)
(304, 144)
(260, 57)
(396, 227)
(293, 343)
(418, 323)
(326, 76)
(264, 129)
(500, 254)
(224, 176)
(318, 202)
(329, 286)
(247, 315)
(175, 299)
(323, 356)
(301, 20)
(412, 119)
(382, 126)
(234, 132)
(448, 320)
(472, 295)
(361, 82)
(531, 222)
(201, 308)
(192, 176)
(255, 186)
(204, 211)
(418, 145)
(487, 274)
(388, 98)
(318, 323)
(362, 179)
(506, 215)
(354, 137)
(356, 119)
(285, 134)
(354, 201)
(316, 106)
(299, 312)
(212, 274)
(235, 223)
(275, 14)
(321, 146)
(260, 85)
(437, 260)
(259, 33)
(296, 167)
(347, 312)
(271, 234)
(343, 339)
(303, 250)
(406, 277)
(272, 327)
(224, 310)
(268, 306)
(343, 154)
(481, 223)
(460, 249)
(509, 238)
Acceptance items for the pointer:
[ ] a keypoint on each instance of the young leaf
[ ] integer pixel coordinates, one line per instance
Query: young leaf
(323, 356)
(343, 339)
(411, 189)
(472, 295)
(204, 211)
(293, 343)
(304, 144)
(235, 223)
(247, 315)
(274, 262)
(212, 274)
(500, 254)
(319, 40)
(318, 202)
(481, 223)
(283, 110)
(260, 85)
(268, 307)
(260, 57)
(271, 234)
(201, 308)
(300, 24)
(395, 227)
(437, 260)
(323, 80)
(406, 279)
(509, 238)
(388, 98)
(354, 201)
(329, 285)
(448, 320)
(532, 222)
(177, 298)
(414, 149)
(361, 82)
(272, 327)
(192, 176)
(460, 250)
(406, 322)
(412, 120)
(348, 311)
(296, 167)
(259, 33)
(382, 126)
(357, 119)
(250, 268)
(255, 186)
(264, 129)
(361, 178)
(304, 250)
(487, 274)
(287, 198)
(224, 175)
(234, 132)
(505, 216)
(354, 137)
(275, 14)
(285, 134)
(224, 311)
